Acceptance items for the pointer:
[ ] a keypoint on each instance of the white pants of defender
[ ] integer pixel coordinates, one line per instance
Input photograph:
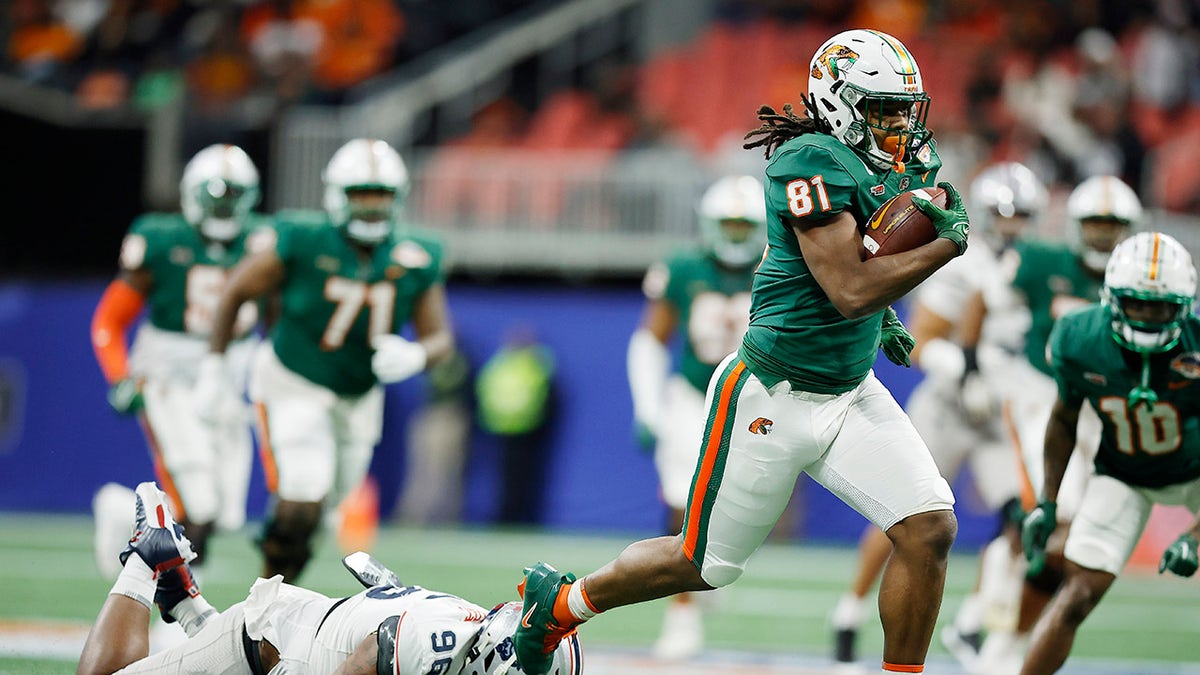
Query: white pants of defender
(1112, 516)
(859, 444)
(954, 441)
(207, 467)
(1031, 396)
(679, 439)
(320, 443)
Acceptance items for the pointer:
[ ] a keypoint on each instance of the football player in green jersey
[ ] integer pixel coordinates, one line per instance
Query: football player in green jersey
(176, 265)
(1053, 278)
(1136, 359)
(704, 294)
(347, 281)
(799, 394)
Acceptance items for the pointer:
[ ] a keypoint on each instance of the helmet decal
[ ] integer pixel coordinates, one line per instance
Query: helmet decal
(829, 59)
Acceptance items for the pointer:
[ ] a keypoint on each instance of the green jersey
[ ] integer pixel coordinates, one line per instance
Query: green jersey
(796, 334)
(188, 273)
(713, 303)
(335, 298)
(1144, 447)
(1053, 281)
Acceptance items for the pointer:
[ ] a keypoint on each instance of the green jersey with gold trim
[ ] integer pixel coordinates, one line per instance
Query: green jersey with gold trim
(1054, 281)
(713, 303)
(796, 333)
(188, 273)
(335, 297)
(1147, 446)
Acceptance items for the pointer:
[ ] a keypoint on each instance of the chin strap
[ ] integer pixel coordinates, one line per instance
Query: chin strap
(1143, 393)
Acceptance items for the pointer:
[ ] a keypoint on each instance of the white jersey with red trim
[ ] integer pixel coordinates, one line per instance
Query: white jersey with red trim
(315, 633)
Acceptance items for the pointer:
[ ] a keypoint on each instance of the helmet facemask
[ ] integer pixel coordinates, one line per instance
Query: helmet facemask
(874, 131)
(1146, 322)
(224, 206)
(370, 213)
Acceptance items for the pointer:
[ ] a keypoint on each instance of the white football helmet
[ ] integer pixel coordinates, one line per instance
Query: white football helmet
(218, 190)
(865, 70)
(1149, 266)
(734, 198)
(1101, 198)
(365, 164)
(494, 654)
(1004, 198)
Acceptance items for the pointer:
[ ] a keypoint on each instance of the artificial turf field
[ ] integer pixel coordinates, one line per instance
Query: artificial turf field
(773, 620)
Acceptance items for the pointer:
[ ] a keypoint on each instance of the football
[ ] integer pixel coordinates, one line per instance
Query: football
(899, 226)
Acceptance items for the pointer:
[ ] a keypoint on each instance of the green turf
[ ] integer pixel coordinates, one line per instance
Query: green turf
(782, 604)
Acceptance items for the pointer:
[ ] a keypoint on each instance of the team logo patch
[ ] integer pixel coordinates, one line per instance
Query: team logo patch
(327, 263)
(923, 155)
(1187, 365)
(878, 190)
(832, 58)
(411, 254)
(181, 255)
(762, 426)
(904, 183)
(1096, 378)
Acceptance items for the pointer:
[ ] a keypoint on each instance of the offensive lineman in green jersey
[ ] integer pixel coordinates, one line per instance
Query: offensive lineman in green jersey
(800, 395)
(346, 283)
(704, 294)
(176, 266)
(1136, 360)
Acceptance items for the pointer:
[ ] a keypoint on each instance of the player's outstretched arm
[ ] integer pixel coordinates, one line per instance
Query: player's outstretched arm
(857, 287)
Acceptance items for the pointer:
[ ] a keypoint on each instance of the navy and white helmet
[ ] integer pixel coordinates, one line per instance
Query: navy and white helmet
(364, 164)
(495, 654)
(1149, 266)
(1008, 191)
(734, 198)
(218, 190)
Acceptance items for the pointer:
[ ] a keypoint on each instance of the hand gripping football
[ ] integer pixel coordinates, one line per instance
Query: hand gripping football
(898, 225)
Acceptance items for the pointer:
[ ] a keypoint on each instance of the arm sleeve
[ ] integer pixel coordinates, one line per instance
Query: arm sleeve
(118, 309)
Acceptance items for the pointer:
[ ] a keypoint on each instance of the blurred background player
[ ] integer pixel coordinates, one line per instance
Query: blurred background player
(704, 295)
(1054, 278)
(347, 280)
(1135, 359)
(278, 628)
(963, 315)
(176, 266)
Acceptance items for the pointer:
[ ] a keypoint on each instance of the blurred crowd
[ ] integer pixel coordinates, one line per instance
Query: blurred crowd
(1071, 88)
(221, 53)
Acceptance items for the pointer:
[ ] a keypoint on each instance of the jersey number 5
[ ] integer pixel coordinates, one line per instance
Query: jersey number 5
(800, 196)
(350, 296)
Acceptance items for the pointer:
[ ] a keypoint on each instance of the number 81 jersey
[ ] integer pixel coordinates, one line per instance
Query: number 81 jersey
(335, 298)
(1147, 447)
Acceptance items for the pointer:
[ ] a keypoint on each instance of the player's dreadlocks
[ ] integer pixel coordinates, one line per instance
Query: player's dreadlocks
(778, 129)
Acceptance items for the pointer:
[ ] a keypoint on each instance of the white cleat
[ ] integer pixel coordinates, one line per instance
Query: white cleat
(113, 509)
(682, 634)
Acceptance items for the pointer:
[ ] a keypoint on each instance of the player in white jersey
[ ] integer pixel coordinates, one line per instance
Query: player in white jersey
(969, 327)
(284, 629)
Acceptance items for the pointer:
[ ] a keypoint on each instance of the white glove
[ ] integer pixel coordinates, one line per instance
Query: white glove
(396, 359)
(977, 399)
(211, 394)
